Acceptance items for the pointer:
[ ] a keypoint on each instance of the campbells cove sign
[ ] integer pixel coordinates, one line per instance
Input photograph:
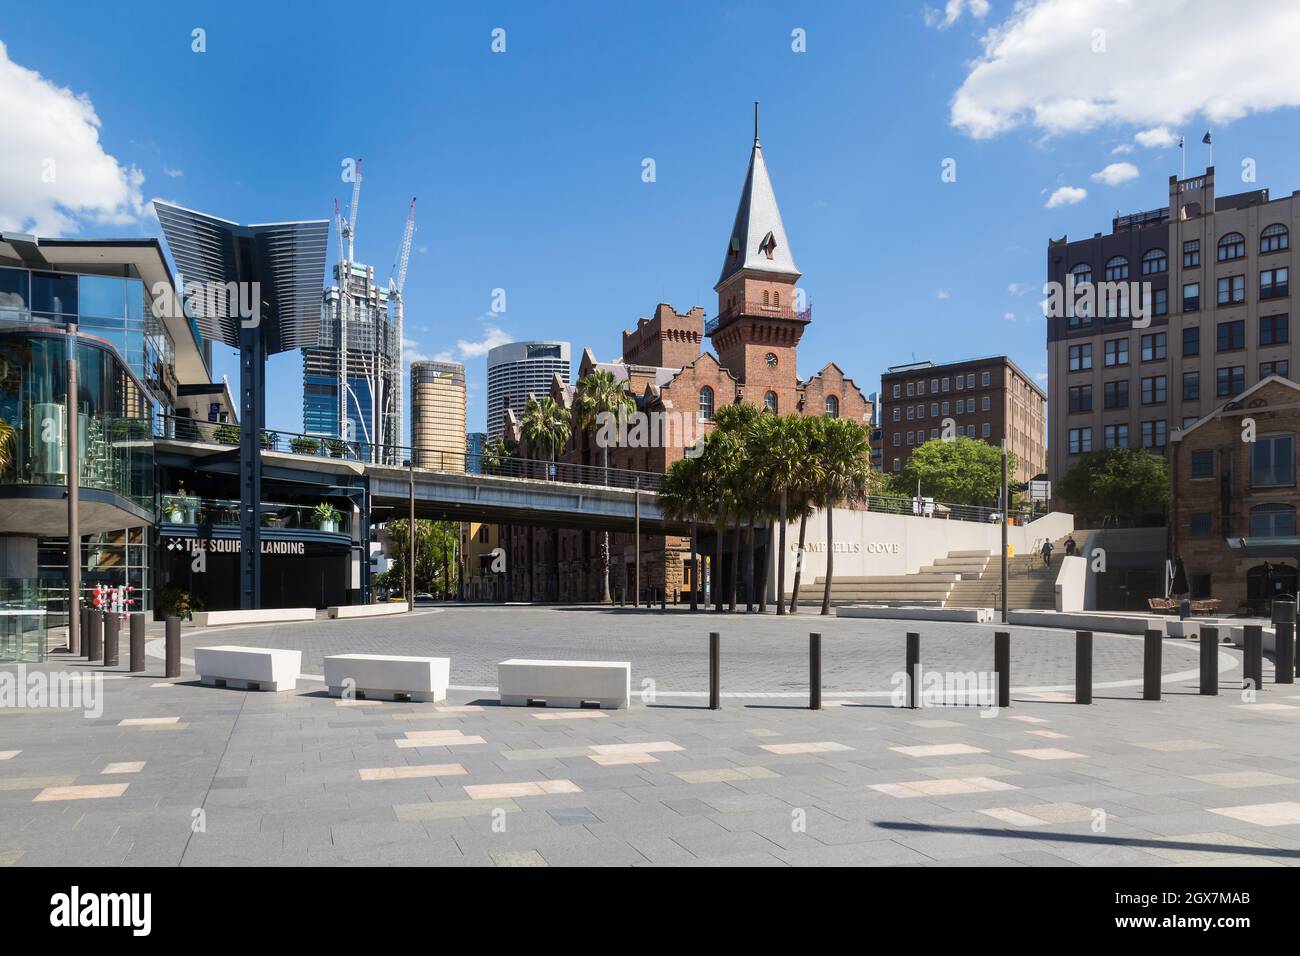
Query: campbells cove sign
(850, 547)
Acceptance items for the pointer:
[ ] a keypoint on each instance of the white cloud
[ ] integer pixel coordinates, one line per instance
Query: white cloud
(1121, 149)
(952, 11)
(1115, 174)
(1067, 196)
(173, 173)
(51, 133)
(942, 294)
(1164, 61)
(1018, 288)
(1157, 138)
(491, 340)
(411, 351)
(1008, 317)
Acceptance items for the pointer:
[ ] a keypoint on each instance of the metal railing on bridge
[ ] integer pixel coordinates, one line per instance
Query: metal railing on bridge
(180, 428)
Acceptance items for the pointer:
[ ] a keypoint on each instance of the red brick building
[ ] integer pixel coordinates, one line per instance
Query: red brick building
(760, 319)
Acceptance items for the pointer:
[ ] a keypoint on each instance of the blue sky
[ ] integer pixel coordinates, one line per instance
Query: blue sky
(528, 163)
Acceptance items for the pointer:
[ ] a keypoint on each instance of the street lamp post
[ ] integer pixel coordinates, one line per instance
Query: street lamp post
(1005, 508)
(410, 535)
(74, 494)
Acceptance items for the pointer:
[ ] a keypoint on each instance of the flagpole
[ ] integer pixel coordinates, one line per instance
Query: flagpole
(1182, 152)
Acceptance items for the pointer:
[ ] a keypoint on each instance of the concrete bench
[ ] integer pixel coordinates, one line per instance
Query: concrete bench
(248, 668)
(266, 615)
(523, 683)
(367, 610)
(1268, 637)
(387, 677)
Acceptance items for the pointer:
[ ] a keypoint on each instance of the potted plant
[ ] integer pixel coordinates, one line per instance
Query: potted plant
(336, 447)
(327, 517)
(189, 505)
(226, 434)
(269, 439)
(173, 509)
(304, 446)
(176, 600)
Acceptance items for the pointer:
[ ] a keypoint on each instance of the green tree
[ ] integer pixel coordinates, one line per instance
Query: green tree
(495, 455)
(1126, 483)
(803, 493)
(782, 452)
(843, 452)
(545, 425)
(683, 496)
(599, 394)
(959, 470)
(737, 423)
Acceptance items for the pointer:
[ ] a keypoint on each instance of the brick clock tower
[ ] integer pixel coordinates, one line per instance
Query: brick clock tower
(759, 323)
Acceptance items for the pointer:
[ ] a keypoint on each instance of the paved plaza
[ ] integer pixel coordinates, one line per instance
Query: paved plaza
(173, 773)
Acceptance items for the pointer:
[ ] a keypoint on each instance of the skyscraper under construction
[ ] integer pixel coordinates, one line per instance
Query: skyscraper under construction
(352, 380)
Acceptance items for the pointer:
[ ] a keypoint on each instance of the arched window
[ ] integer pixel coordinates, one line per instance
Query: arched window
(1274, 238)
(1232, 246)
(1154, 261)
(769, 402)
(706, 404)
(1082, 274)
(1272, 521)
(1116, 268)
(776, 298)
(765, 297)
(832, 407)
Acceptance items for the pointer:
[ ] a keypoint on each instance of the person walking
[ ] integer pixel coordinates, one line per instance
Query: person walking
(1071, 549)
(1047, 553)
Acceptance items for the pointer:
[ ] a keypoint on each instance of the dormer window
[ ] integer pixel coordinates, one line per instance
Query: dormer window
(734, 248)
(768, 245)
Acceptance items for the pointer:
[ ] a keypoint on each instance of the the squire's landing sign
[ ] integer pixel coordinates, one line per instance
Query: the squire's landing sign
(77, 909)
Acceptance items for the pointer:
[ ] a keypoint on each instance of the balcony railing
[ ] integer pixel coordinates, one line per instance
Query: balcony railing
(293, 443)
(223, 512)
(755, 310)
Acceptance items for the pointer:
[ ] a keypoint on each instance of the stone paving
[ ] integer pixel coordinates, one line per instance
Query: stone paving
(171, 773)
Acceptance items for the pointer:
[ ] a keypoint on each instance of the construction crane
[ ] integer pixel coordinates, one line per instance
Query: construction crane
(396, 282)
(352, 211)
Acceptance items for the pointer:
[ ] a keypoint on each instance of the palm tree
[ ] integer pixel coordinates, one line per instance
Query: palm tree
(682, 496)
(782, 450)
(600, 393)
(803, 491)
(545, 424)
(722, 458)
(495, 455)
(738, 423)
(844, 458)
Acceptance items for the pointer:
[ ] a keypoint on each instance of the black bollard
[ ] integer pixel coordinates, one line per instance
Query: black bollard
(814, 672)
(1209, 661)
(173, 643)
(112, 631)
(1152, 645)
(1252, 664)
(1002, 666)
(95, 636)
(1284, 628)
(137, 643)
(715, 670)
(663, 600)
(1083, 667)
(913, 669)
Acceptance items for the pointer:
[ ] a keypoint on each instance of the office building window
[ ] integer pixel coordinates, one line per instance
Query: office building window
(1115, 352)
(897, 464)
(920, 388)
(1191, 253)
(970, 379)
(1080, 398)
(1116, 436)
(1230, 381)
(898, 391)
(911, 392)
(1191, 296)
(1232, 335)
(947, 383)
(898, 412)
(832, 407)
(1115, 395)
(934, 386)
(1154, 389)
(934, 409)
(910, 413)
(1232, 289)
(1154, 434)
(958, 382)
(1203, 464)
(769, 402)
(1272, 521)
(911, 438)
(1080, 441)
(945, 409)
(1154, 261)
(1272, 461)
(1154, 347)
(1080, 357)
(898, 439)
(1201, 524)
(985, 404)
(1273, 283)
(1160, 302)
(1232, 246)
(1191, 341)
(1191, 386)
(1116, 268)
(985, 431)
(1273, 238)
(1273, 330)
(1281, 367)
(706, 404)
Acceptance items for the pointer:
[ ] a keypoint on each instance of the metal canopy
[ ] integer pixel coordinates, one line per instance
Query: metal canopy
(286, 259)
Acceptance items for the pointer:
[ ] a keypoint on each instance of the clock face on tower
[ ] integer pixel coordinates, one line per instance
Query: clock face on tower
(770, 359)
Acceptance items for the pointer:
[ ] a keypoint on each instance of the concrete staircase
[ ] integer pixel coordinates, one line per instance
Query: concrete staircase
(929, 587)
(1030, 585)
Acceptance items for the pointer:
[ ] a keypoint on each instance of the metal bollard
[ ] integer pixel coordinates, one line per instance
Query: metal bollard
(663, 600)
(715, 670)
(1152, 646)
(95, 636)
(814, 672)
(913, 669)
(1210, 661)
(1252, 664)
(112, 631)
(173, 643)
(137, 643)
(1284, 628)
(1083, 667)
(1002, 666)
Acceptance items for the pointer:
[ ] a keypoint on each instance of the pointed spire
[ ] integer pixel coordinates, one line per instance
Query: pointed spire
(757, 242)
